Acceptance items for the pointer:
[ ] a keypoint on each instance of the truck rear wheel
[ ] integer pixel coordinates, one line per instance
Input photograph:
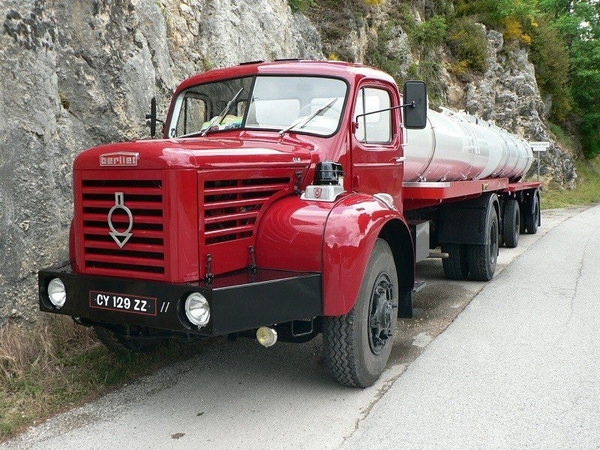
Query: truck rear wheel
(482, 258)
(511, 223)
(357, 345)
(532, 217)
(455, 266)
(121, 344)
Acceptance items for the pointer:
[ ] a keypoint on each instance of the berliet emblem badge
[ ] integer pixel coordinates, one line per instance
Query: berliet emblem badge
(119, 159)
(120, 237)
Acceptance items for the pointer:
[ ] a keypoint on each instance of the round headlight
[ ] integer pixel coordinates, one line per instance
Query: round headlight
(197, 309)
(57, 294)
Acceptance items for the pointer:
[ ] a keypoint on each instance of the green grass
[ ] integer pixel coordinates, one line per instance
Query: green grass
(587, 190)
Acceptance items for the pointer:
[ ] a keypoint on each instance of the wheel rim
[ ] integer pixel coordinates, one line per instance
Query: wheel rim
(493, 242)
(380, 314)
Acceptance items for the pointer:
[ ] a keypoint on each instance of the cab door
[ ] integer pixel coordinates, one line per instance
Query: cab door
(377, 152)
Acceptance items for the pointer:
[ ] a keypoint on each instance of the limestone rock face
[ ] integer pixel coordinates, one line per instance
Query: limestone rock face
(79, 73)
(508, 95)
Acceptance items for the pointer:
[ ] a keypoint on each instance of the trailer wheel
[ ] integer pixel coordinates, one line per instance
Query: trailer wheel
(482, 258)
(532, 217)
(121, 344)
(357, 345)
(512, 224)
(455, 266)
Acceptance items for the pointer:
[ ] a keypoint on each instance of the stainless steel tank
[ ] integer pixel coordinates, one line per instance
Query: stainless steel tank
(457, 146)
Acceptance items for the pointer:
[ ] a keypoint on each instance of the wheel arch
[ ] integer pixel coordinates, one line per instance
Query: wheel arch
(361, 219)
(397, 234)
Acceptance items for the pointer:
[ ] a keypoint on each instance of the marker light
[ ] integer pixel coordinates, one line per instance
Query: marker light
(197, 309)
(57, 294)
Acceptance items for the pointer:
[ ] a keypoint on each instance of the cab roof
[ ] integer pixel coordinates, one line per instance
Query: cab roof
(351, 72)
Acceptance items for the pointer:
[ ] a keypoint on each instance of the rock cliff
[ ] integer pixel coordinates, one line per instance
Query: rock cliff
(78, 73)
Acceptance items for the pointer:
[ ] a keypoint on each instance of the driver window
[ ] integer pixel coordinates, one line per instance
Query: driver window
(194, 114)
(374, 127)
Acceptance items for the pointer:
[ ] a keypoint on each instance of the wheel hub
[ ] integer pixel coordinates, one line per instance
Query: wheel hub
(380, 319)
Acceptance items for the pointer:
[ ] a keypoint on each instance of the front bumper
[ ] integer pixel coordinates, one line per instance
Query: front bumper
(238, 301)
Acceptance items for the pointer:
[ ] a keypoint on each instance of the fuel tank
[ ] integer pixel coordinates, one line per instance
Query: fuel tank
(457, 146)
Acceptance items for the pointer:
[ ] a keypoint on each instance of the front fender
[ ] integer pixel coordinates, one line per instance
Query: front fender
(335, 240)
(290, 235)
(352, 227)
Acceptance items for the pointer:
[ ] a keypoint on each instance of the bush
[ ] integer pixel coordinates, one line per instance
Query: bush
(301, 5)
(468, 43)
(430, 33)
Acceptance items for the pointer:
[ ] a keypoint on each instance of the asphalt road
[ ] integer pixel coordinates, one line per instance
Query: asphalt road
(513, 363)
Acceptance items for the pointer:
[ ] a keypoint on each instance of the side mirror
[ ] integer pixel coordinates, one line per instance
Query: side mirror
(151, 118)
(415, 100)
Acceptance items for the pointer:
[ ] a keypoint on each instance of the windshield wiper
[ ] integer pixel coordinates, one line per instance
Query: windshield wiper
(301, 123)
(217, 120)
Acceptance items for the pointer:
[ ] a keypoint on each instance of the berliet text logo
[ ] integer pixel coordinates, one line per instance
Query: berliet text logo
(119, 159)
(120, 237)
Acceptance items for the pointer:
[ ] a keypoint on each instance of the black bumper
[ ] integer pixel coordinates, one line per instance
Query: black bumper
(239, 301)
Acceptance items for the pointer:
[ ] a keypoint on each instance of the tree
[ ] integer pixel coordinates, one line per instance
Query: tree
(579, 24)
(550, 55)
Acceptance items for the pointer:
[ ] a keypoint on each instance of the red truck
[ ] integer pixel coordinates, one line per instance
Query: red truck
(286, 200)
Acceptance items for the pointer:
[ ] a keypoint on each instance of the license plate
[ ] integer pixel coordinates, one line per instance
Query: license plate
(134, 304)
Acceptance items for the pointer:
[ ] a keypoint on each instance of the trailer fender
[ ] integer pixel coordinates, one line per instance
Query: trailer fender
(352, 228)
(466, 222)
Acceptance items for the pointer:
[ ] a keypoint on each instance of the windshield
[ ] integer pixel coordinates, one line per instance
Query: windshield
(279, 103)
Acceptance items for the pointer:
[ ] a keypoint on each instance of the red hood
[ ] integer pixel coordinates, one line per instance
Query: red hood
(200, 153)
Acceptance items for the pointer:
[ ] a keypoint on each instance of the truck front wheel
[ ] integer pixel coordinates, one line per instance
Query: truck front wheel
(357, 345)
(122, 344)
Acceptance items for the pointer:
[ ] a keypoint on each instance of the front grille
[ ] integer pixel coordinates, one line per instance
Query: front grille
(142, 254)
(232, 206)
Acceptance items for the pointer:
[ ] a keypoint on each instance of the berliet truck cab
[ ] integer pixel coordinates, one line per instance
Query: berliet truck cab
(274, 205)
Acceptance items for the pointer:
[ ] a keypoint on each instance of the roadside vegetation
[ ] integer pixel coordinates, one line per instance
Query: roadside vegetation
(60, 365)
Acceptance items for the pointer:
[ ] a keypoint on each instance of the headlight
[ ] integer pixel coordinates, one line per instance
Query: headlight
(57, 294)
(197, 309)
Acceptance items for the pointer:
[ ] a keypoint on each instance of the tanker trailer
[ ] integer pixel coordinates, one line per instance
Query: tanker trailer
(463, 192)
(458, 147)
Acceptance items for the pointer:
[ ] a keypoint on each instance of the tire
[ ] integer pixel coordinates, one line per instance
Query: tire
(455, 266)
(532, 217)
(121, 344)
(482, 259)
(357, 345)
(511, 224)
